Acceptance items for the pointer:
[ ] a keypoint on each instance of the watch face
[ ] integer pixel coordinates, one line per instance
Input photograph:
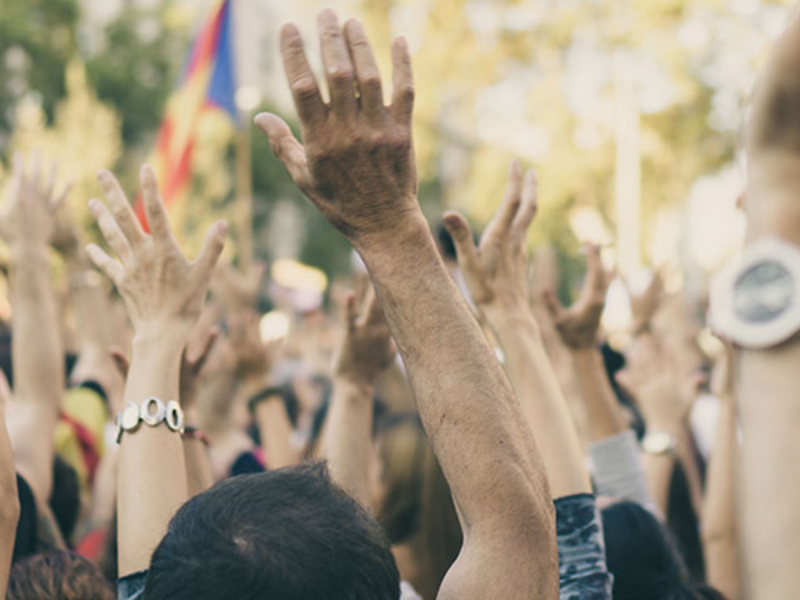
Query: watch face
(658, 443)
(129, 419)
(763, 292)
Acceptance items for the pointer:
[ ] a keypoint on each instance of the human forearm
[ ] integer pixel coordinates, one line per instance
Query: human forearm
(720, 543)
(466, 403)
(767, 395)
(541, 399)
(605, 418)
(36, 347)
(9, 504)
(152, 480)
(348, 439)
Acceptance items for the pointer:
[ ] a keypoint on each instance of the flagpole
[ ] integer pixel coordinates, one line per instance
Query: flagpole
(244, 191)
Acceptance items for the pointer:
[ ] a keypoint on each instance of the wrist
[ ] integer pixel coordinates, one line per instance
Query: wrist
(354, 385)
(383, 244)
(22, 253)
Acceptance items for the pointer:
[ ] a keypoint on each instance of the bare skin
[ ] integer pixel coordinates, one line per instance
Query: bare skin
(357, 167)
(163, 294)
(496, 275)
(767, 381)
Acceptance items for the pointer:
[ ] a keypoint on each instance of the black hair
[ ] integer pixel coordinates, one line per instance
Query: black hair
(58, 575)
(25, 540)
(65, 497)
(288, 534)
(643, 558)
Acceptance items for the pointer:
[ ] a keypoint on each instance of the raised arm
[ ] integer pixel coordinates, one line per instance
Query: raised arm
(365, 351)
(358, 168)
(719, 528)
(496, 275)
(27, 224)
(768, 379)
(163, 293)
(9, 500)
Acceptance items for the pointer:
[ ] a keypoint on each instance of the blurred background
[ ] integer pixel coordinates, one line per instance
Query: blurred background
(631, 111)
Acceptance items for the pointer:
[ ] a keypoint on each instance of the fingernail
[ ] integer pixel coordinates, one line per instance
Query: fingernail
(102, 175)
(94, 205)
(222, 228)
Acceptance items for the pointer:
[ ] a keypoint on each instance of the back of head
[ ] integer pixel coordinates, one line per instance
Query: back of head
(417, 508)
(285, 534)
(59, 575)
(643, 558)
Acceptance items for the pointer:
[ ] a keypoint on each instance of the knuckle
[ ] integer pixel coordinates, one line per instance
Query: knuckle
(370, 81)
(406, 92)
(304, 88)
(340, 76)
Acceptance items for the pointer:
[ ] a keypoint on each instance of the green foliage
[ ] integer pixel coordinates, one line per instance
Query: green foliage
(135, 68)
(37, 39)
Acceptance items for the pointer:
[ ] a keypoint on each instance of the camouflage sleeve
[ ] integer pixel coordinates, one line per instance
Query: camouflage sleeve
(581, 550)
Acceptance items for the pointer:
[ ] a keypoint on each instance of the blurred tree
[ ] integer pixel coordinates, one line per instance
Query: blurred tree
(136, 64)
(37, 39)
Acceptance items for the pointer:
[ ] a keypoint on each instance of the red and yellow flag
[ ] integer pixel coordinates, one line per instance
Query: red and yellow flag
(208, 82)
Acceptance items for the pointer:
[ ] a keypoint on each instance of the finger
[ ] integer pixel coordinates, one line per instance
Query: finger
(501, 223)
(461, 232)
(111, 231)
(111, 268)
(120, 361)
(338, 67)
(212, 248)
(18, 174)
(553, 305)
(402, 83)
(307, 99)
(595, 276)
(286, 147)
(51, 180)
(35, 168)
(375, 310)
(120, 207)
(200, 357)
(62, 199)
(350, 312)
(529, 205)
(366, 69)
(154, 205)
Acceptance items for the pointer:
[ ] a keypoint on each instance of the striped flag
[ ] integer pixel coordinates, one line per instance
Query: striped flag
(208, 82)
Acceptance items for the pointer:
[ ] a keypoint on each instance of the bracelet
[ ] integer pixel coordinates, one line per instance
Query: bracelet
(191, 432)
(261, 396)
(152, 412)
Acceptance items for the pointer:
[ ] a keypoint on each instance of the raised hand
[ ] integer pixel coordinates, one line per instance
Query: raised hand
(28, 217)
(496, 271)
(367, 347)
(578, 325)
(254, 358)
(356, 163)
(236, 290)
(160, 286)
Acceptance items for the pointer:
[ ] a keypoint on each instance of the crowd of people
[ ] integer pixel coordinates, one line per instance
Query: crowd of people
(446, 429)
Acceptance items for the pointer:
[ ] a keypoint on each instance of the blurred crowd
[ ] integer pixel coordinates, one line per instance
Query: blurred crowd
(441, 425)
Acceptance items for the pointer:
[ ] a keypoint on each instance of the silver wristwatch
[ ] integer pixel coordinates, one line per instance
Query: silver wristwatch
(152, 412)
(755, 303)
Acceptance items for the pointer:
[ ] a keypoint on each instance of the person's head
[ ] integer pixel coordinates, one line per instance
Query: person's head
(643, 558)
(59, 575)
(288, 533)
(415, 506)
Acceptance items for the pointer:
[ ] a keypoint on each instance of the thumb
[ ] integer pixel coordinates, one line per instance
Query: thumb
(461, 232)
(285, 146)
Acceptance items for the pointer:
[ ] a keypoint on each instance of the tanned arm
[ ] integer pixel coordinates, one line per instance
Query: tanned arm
(496, 275)
(163, 293)
(358, 168)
